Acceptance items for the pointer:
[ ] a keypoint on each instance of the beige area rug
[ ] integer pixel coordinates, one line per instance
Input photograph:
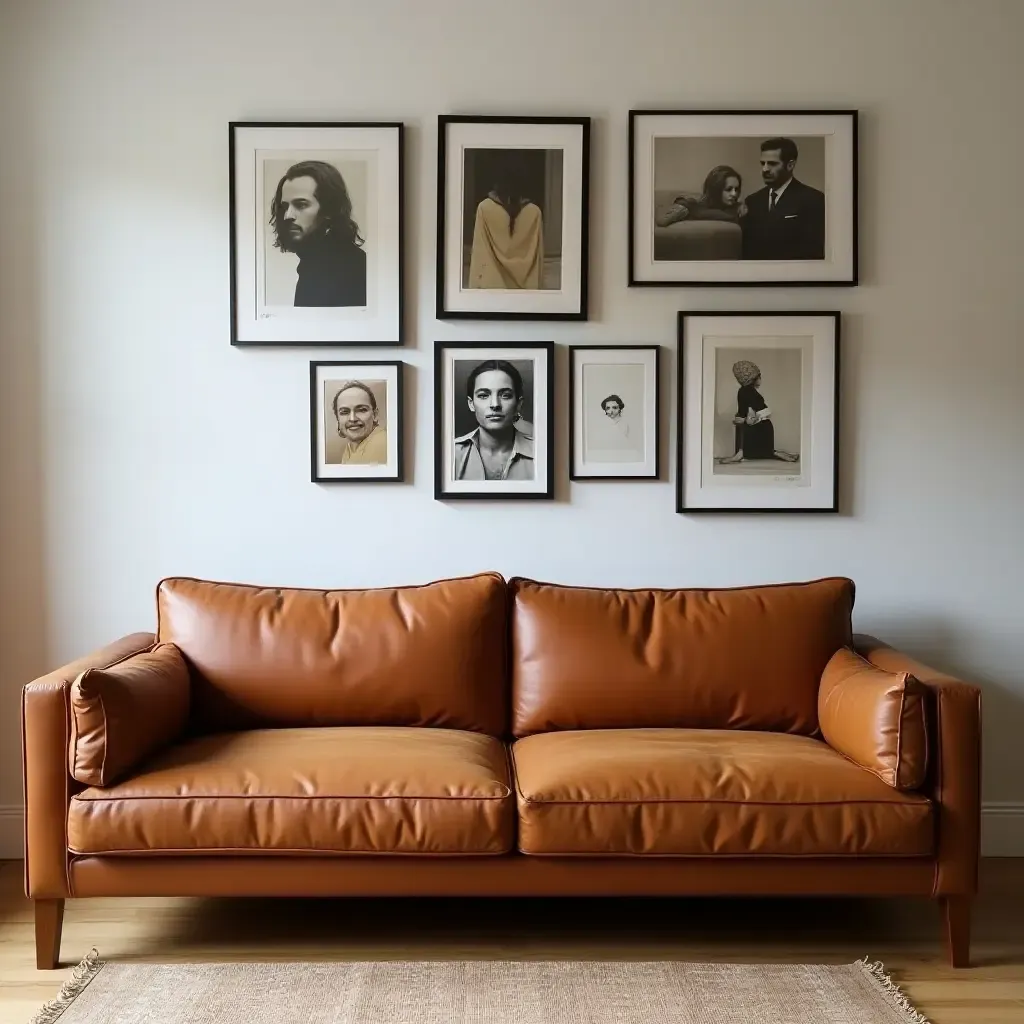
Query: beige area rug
(479, 992)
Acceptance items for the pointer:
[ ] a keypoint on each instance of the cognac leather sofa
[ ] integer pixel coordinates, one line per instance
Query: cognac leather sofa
(482, 737)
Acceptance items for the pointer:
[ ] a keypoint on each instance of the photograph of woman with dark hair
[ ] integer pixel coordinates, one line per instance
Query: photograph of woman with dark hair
(500, 447)
(755, 433)
(311, 216)
(719, 200)
(508, 236)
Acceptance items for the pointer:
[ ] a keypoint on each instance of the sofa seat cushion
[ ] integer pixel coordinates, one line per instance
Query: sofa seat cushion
(699, 792)
(323, 790)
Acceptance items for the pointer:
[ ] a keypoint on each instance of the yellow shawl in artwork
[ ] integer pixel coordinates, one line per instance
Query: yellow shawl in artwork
(501, 259)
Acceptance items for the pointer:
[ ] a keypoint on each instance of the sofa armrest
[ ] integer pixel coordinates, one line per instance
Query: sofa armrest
(954, 775)
(45, 735)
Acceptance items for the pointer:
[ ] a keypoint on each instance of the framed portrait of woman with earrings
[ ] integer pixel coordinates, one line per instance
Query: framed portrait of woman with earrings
(493, 420)
(758, 412)
(355, 421)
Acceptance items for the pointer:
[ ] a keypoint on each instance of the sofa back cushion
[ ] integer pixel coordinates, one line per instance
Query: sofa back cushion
(432, 655)
(587, 658)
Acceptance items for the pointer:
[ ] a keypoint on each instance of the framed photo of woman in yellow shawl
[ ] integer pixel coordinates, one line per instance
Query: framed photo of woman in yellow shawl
(355, 421)
(512, 218)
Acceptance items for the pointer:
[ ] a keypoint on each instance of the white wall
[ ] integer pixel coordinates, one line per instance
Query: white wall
(138, 443)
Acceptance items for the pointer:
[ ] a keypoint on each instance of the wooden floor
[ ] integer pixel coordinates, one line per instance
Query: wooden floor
(904, 934)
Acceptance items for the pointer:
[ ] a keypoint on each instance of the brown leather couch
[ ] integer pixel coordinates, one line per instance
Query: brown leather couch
(483, 737)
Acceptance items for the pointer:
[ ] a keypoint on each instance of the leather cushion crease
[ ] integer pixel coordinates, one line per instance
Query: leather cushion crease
(876, 718)
(707, 792)
(122, 713)
(749, 658)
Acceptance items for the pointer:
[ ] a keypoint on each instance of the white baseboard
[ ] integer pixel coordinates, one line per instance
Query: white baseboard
(1002, 830)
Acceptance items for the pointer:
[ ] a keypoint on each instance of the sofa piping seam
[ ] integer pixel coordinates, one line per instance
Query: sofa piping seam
(86, 801)
(269, 851)
(923, 802)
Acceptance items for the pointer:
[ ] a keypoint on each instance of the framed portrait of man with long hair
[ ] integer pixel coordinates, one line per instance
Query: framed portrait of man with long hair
(316, 233)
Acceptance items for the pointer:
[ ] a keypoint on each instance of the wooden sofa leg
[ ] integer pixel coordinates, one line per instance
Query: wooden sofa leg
(49, 921)
(957, 913)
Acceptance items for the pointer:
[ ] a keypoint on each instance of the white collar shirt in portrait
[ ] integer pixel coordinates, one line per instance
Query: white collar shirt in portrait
(469, 463)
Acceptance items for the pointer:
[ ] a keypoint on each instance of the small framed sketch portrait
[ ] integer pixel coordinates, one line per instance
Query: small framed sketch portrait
(316, 233)
(493, 421)
(355, 421)
(512, 218)
(743, 197)
(758, 414)
(613, 412)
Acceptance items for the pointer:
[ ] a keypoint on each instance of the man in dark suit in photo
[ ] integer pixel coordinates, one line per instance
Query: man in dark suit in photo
(785, 220)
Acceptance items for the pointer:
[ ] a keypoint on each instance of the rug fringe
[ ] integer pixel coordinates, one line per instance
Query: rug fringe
(876, 971)
(71, 989)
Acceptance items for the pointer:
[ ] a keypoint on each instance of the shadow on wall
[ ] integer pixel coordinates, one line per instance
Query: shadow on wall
(23, 609)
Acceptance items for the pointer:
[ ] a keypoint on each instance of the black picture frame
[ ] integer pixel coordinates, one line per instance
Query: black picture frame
(654, 419)
(389, 328)
(829, 491)
(505, 304)
(744, 271)
(492, 490)
(395, 421)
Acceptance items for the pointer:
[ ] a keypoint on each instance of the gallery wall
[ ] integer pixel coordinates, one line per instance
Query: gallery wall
(136, 442)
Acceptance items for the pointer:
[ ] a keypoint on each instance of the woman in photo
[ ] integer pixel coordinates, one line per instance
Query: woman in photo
(358, 419)
(612, 432)
(498, 448)
(720, 200)
(755, 433)
(508, 237)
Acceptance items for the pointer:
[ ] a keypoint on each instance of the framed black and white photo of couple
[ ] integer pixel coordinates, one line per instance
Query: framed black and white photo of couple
(355, 421)
(493, 419)
(758, 412)
(613, 412)
(512, 211)
(316, 233)
(735, 197)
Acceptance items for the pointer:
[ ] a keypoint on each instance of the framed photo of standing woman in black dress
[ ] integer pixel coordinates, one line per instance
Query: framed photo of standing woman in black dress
(512, 205)
(758, 413)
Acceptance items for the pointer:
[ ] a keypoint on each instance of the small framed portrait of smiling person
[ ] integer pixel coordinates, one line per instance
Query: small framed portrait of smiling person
(493, 420)
(316, 233)
(355, 421)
